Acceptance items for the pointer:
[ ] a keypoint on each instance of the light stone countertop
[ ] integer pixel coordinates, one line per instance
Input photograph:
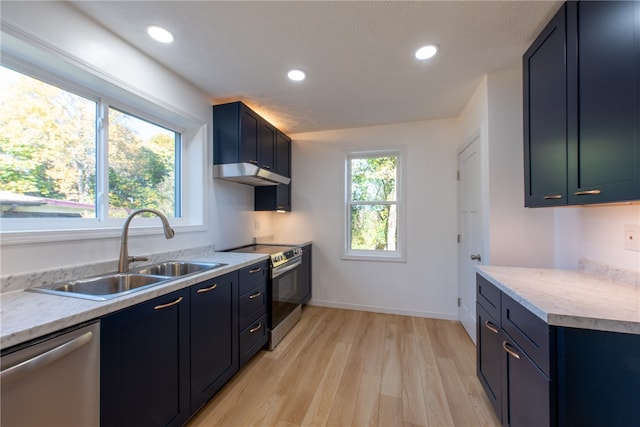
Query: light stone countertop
(28, 315)
(571, 298)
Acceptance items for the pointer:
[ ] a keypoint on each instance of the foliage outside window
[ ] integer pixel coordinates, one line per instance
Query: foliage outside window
(373, 206)
(53, 149)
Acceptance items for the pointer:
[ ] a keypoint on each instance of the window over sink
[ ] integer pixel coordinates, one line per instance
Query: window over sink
(80, 149)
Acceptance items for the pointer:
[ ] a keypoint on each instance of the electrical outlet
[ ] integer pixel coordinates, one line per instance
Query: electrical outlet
(632, 237)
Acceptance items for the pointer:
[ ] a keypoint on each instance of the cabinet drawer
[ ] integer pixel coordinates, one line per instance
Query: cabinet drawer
(528, 331)
(488, 296)
(252, 305)
(253, 276)
(252, 338)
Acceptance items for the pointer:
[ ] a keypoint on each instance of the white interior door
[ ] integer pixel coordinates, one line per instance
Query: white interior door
(470, 223)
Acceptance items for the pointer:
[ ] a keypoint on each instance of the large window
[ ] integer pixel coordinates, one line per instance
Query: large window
(71, 154)
(373, 205)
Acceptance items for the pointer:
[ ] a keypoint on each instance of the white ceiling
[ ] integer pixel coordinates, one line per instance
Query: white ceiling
(358, 55)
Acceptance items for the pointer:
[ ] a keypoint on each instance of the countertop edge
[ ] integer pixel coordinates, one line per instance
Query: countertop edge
(28, 315)
(558, 317)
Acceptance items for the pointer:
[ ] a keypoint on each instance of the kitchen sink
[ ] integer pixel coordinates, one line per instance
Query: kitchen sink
(178, 268)
(102, 287)
(114, 285)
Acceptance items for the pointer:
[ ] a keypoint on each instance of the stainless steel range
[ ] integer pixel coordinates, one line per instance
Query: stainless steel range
(284, 291)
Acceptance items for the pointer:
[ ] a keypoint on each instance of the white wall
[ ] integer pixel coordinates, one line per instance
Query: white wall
(513, 235)
(518, 236)
(426, 285)
(595, 233)
(71, 37)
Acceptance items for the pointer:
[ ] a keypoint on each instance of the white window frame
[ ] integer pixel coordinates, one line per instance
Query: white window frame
(37, 63)
(399, 255)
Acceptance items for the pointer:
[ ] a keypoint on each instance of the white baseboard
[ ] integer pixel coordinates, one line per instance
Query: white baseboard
(386, 310)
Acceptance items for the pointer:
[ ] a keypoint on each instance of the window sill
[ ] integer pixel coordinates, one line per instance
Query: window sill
(375, 258)
(27, 237)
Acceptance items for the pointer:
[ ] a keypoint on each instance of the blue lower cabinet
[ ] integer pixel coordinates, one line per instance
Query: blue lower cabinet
(214, 336)
(598, 378)
(163, 359)
(144, 370)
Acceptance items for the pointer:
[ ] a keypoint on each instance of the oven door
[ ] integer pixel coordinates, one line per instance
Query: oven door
(285, 295)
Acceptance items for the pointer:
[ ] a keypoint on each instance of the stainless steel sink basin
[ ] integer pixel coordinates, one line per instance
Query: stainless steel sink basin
(103, 287)
(178, 268)
(115, 285)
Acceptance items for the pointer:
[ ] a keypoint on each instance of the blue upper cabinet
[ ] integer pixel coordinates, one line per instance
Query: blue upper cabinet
(582, 106)
(545, 113)
(604, 71)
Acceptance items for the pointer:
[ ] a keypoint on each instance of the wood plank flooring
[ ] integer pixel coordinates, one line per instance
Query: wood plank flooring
(352, 368)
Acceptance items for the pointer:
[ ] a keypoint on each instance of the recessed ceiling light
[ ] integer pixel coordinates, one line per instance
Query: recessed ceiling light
(159, 34)
(426, 52)
(297, 75)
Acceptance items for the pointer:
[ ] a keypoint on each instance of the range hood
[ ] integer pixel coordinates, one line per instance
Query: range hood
(248, 173)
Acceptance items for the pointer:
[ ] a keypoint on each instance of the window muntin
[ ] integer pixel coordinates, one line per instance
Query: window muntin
(51, 155)
(373, 205)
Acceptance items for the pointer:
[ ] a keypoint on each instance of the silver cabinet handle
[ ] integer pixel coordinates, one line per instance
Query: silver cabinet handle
(255, 270)
(252, 330)
(476, 257)
(587, 192)
(553, 196)
(43, 359)
(490, 326)
(210, 288)
(256, 295)
(507, 348)
(161, 306)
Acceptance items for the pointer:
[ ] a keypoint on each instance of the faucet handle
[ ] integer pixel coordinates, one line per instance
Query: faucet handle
(137, 258)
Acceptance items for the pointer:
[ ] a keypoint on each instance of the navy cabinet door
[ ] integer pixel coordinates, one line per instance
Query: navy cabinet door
(283, 154)
(304, 278)
(249, 135)
(214, 336)
(604, 70)
(526, 390)
(144, 364)
(545, 116)
(489, 357)
(266, 146)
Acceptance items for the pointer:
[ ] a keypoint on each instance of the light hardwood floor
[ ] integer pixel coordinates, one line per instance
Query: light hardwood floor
(352, 368)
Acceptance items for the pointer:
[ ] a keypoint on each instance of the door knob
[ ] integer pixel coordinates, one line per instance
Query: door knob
(476, 257)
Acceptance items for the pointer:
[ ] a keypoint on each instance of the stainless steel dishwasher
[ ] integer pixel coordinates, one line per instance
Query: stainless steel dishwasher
(54, 382)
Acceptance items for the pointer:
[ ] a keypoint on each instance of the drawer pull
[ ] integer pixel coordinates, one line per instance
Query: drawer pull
(252, 330)
(256, 295)
(253, 162)
(587, 193)
(210, 288)
(255, 270)
(507, 348)
(161, 306)
(490, 326)
(553, 196)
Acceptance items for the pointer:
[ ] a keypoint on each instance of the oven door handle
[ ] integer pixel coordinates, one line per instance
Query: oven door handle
(277, 272)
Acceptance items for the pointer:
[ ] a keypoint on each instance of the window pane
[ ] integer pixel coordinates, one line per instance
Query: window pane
(374, 227)
(47, 149)
(142, 165)
(373, 179)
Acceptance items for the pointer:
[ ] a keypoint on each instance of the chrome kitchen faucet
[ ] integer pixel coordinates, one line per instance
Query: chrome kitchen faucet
(125, 259)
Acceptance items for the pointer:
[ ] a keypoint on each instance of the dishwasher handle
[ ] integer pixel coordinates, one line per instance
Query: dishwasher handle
(43, 359)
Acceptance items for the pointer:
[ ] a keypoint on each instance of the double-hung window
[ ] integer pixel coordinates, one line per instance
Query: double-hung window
(374, 220)
(69, 154)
